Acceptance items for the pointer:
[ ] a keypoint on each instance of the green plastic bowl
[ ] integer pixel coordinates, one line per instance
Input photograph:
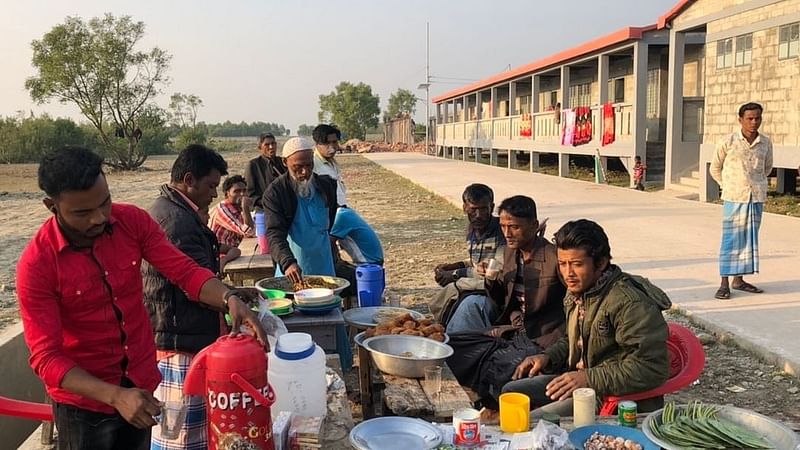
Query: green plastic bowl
(272, 293)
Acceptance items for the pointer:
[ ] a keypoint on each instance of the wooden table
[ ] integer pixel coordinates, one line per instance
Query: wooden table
(408, 397)
(251, 265)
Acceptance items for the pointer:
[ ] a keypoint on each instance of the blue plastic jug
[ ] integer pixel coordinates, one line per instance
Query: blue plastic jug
(370, 282)
(261, 224)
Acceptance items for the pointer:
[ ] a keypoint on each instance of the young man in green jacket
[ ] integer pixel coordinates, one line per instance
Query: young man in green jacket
(616, 339)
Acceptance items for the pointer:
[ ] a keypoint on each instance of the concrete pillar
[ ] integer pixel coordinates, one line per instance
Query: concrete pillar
(512, 99)
(512, 159)
(477, 154)
(640, 58)
(535, 91)
(787, 181)
(677, 46)
(479, 105)
(493, 157)
(534, 166)
(493, 104)
(464, 151)
(466, 109)
(563, 164)
(564, 87)
(602, 81)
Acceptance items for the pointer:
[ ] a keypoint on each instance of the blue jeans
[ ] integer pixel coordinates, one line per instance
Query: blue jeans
(475, 313)
(80, 429)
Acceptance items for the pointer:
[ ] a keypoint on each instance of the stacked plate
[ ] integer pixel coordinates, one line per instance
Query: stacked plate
(316, 301)
(281, 307)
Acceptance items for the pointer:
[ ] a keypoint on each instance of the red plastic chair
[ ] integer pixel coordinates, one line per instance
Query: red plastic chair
(686, 361)
(41, 412)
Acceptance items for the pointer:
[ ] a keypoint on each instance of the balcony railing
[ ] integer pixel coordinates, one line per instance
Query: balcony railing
(545, 127)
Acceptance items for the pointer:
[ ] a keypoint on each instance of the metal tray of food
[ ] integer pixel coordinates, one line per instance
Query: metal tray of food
(310, 281)
(371, 316)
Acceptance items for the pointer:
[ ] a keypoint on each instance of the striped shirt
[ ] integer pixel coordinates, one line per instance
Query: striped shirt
(227, 222)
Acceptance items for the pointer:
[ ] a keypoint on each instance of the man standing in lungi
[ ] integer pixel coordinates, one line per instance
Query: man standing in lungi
(741, 165)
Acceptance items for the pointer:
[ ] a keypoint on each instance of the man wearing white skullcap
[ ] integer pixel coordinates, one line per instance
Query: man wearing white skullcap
(300, 207)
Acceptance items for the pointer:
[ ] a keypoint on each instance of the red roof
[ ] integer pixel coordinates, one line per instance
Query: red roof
(664, 20)
(618, 37)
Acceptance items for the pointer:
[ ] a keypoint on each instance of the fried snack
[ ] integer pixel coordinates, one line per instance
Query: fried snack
(438, 327)
(410, 325)
(409, 333)
(429, 330)
(370, 332)
(397, 330)
(437, 337)
(425, 322)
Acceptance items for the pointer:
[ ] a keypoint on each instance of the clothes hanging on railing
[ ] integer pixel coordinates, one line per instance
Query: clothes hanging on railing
(526, 126)
(577, 129)
(568, 131)
(583, 125)
(608, 124)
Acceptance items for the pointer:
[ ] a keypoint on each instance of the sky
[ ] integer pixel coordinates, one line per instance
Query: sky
(270, 60)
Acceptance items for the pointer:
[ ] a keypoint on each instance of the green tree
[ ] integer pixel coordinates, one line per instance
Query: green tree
(183, 109)
(155, 139)
(305, 130)
(95, 66)
(401, 102)
(352, 107)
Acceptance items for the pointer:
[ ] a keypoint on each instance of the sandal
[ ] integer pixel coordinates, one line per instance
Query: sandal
(747, 287)
(723, 293)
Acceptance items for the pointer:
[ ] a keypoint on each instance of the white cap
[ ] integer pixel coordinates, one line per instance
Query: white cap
(296, 144)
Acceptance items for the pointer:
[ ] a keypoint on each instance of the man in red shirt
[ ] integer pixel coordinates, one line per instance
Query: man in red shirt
(80, 294)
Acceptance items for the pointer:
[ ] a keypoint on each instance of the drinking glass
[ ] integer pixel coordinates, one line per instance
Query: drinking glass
(433, 379)
(173, 415)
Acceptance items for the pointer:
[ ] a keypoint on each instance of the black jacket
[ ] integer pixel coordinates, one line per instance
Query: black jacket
(260, 173)
(280, 205)
(180, 323)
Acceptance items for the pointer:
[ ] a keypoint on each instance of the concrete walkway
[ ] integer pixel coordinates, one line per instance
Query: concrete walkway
(673, 242)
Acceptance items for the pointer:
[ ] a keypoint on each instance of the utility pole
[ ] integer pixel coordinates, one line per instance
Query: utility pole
(427, 87)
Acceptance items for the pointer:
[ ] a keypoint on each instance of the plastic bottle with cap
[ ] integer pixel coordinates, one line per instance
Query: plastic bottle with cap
(297, 374)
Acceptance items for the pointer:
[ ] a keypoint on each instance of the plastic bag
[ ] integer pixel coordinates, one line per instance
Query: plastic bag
(549, 436)
(272, 324)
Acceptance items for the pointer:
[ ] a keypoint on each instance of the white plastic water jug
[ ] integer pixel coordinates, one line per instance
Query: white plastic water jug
(297, 375)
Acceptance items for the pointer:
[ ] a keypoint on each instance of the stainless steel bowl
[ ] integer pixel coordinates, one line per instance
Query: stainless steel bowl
(780, 436)
(406, 356)
(361, 337)
(285, 285)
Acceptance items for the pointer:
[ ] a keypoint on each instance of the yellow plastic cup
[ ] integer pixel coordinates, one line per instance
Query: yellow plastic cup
(515, 411)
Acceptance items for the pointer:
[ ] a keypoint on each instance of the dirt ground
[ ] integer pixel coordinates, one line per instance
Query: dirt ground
(419, 230)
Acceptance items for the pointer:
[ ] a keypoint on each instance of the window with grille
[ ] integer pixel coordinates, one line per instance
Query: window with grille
(653, 90)
(725, 53)
(789, 41)
(744, 50)
(580, 95)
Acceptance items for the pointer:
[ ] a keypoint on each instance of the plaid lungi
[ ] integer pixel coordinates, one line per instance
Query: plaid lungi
(738, 253)
(193, 434)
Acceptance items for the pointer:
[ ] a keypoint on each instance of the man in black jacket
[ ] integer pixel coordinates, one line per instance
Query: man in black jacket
(183, 326)
(263, 170)
(301, 207)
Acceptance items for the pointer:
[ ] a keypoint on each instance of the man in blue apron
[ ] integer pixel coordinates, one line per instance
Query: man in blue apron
(300, 207)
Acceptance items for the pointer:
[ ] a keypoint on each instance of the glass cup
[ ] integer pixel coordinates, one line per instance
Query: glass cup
(173, 415)
(493, 268)
(433, 379)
